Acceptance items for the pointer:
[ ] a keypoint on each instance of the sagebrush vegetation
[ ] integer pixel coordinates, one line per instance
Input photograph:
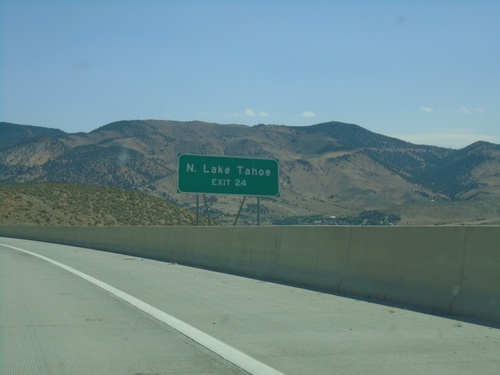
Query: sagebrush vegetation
(330, 169)
(66, 204)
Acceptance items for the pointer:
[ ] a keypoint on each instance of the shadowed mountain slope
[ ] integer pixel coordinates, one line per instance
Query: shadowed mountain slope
(325, 169)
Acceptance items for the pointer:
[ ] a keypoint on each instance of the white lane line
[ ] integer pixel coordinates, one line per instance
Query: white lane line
(227, 352)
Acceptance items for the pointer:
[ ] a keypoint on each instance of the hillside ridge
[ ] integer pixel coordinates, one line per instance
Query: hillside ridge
(67, 204)
(326, 169)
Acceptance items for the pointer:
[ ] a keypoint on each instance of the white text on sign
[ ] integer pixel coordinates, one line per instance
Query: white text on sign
(219, 169)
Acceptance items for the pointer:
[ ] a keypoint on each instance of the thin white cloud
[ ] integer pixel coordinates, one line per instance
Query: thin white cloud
(308, 114)
(427, 109)
(249, 112)
(454, 138)
(468, 111)
(461, 111)
(464, 111)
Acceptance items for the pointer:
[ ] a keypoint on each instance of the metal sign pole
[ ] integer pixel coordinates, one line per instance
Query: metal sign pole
(239, 211)
(258, 211)
(206, 209)
(197, 209)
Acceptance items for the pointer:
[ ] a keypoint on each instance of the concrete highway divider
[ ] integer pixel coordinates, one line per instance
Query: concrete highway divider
(448, 270)
(479, 289)
(418, 266)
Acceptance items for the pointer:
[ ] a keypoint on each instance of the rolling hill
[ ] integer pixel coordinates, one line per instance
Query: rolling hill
(329, 169)
(67, 204)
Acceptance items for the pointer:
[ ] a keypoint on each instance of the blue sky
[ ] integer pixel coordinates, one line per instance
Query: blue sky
(423, 71)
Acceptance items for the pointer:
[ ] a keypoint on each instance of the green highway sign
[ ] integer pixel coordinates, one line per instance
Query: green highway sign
(228, 175)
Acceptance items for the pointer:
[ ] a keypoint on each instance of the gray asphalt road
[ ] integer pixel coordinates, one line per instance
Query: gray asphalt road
(54, 322)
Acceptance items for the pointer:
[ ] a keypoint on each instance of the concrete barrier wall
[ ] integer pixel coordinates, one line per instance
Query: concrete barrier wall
(419, 266)
(479, 293)
(451, 270)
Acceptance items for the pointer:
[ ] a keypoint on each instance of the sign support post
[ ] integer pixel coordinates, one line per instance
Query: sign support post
(239, 211)
(197, 209)
(258, 211)
(206, 209)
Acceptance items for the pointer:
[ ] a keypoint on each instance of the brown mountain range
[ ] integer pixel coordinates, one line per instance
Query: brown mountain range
(329, 169)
